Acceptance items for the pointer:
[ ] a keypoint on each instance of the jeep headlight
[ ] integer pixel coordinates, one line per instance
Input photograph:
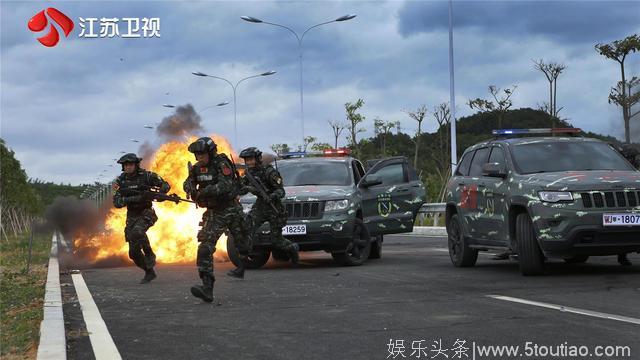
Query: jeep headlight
(336, 205)
(555, 196)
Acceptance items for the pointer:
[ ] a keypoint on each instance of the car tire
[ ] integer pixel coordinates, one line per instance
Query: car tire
(280, 255)
(530, 257)
(460, 253)
(257, 258)
(376, 248)
(362, 240)
(578, 259)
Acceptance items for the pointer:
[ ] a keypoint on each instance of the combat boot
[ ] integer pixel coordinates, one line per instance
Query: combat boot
(293, 253)
(149, 275)
(204, 291)
(237, 272)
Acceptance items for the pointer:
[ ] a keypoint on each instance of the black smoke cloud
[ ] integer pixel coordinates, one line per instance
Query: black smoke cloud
(71, 216)
(184, 122)
(146, 152)
(79, 220)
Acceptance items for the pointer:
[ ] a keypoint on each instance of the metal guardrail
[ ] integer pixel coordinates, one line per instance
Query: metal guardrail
(431, 210)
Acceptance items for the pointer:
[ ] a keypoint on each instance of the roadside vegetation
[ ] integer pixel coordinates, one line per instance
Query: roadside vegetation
(22, 293)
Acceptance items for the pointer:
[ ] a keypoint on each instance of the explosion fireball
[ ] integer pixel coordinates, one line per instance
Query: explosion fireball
(173, 237)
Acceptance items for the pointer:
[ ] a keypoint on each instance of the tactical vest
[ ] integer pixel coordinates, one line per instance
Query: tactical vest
(205, 175)
(135, 185)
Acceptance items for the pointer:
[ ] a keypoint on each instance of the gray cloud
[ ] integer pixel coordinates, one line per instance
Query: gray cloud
(69, 110)
(563, 21)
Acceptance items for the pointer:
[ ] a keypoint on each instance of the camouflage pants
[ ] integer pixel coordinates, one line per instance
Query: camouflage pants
(214, 223)
(261, 214)
(135, 233)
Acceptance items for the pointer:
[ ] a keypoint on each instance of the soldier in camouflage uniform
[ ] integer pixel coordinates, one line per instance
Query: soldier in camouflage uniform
(269, 178)
(213, 183)
(130, 188)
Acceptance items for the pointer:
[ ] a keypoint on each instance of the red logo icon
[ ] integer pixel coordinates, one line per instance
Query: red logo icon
(39, 21)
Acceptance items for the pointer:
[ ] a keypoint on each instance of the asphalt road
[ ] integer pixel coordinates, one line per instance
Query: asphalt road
(323, 311)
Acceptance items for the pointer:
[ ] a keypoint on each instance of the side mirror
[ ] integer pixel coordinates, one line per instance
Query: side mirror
(370, 180)
(494, 170)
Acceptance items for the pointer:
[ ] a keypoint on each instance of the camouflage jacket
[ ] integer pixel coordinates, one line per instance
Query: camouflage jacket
(129, 190)
(214, 185)
(270, 179)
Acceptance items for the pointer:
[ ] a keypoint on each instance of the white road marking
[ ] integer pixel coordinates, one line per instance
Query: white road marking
(52, 339)
(572, 310)
(101, 341)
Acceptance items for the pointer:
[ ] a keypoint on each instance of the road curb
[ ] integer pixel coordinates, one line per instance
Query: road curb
(430, 230)
(52, 334)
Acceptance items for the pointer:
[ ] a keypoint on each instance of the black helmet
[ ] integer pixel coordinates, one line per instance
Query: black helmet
(251, 152)
(129, 158)
(203, 145)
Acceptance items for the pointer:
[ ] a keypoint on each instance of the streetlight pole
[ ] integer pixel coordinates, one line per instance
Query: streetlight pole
(299, 38)
(452, 95)
(234, 87)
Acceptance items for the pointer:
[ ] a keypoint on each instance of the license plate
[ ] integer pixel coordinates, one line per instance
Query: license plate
(621, 219)
(294, 230)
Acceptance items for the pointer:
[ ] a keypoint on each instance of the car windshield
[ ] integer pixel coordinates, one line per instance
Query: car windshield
(556, 156)
(314, 173)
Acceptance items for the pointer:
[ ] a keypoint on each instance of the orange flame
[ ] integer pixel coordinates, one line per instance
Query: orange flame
(173, 237)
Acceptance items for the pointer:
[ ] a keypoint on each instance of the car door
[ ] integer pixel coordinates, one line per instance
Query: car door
(389, 202)
(472, 192)
(492, 208)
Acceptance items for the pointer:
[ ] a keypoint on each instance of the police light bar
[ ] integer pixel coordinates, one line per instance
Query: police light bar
(536, 131)
(294, 154)
(341, 151)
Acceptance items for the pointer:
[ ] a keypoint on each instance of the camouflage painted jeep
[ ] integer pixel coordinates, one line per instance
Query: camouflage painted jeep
(335, 206)
(544, 197)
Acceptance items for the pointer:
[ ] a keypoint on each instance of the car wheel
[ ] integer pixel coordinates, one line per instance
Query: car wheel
(257, 258)
(280, 255)
(530, 256)
(376, 248)
(459, 251)
(358, 249)
(578, 259)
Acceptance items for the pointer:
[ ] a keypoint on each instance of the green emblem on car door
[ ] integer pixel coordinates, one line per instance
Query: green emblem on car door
(384, 204)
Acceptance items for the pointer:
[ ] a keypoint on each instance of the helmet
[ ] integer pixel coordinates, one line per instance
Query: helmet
(251, 152)
(203, 145)
(129, 158)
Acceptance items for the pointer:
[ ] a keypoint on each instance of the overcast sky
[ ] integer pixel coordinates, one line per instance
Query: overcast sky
(67, 111)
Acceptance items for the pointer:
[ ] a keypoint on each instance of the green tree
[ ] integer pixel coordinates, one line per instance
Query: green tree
(308, 140)
(382, 130)
(551, 71)
(441, 158)
(501, 102)
(321, 146)
(337, 128)
(618, 51)
(280, 148)
(418, 116)
(18, 201)
(354, 119)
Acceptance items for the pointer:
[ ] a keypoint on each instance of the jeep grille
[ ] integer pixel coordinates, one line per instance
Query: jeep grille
(610, 199)
(304, 210)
